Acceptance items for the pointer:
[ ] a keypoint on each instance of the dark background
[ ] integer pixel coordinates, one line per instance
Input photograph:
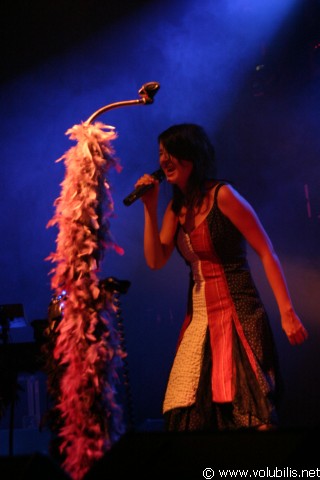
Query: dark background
(249, 72)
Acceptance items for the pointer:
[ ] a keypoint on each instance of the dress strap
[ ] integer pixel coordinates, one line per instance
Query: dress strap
(217, 191)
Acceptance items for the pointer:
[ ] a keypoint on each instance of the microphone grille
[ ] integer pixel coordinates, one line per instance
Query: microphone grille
(159, 175)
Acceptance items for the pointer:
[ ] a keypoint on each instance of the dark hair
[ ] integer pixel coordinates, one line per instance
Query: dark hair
(188, 141)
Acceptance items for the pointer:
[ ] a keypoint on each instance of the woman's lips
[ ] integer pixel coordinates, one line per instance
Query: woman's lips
(169, 175)
(170, 171)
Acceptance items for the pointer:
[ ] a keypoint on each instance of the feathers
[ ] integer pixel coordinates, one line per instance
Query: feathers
(87, 348)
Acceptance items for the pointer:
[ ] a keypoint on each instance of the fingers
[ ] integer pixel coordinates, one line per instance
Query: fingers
(298, 337)
(293, 327)
(145, 180)
(150, 195)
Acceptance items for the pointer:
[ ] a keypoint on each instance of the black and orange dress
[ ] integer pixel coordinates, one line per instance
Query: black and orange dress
(225, 372)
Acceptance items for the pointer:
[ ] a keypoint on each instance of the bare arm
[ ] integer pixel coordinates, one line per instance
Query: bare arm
(158, 244)
(241, 214)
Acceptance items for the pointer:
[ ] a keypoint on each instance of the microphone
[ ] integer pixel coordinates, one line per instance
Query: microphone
(142, 189)
(148, 91)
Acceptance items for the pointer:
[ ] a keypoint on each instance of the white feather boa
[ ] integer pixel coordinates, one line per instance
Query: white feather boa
(87, 346)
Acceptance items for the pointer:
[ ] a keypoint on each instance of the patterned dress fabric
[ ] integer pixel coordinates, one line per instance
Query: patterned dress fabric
(225, 371)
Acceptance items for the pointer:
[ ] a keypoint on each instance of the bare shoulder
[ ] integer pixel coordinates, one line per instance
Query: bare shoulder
(227, 194)
(232, 203)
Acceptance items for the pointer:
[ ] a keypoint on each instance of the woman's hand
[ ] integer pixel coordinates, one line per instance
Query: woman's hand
(293, 327)
(150, 197)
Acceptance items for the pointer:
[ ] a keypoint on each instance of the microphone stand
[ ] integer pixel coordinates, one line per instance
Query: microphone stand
(146, 92)
(92, 156)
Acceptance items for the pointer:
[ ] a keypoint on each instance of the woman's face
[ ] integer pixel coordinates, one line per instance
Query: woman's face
(177, 171)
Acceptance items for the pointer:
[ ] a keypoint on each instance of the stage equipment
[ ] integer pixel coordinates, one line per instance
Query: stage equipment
(11, 357)
(11, 316)
(112, 288)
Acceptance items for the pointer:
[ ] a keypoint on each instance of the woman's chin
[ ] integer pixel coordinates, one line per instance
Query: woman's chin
(170, 178)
